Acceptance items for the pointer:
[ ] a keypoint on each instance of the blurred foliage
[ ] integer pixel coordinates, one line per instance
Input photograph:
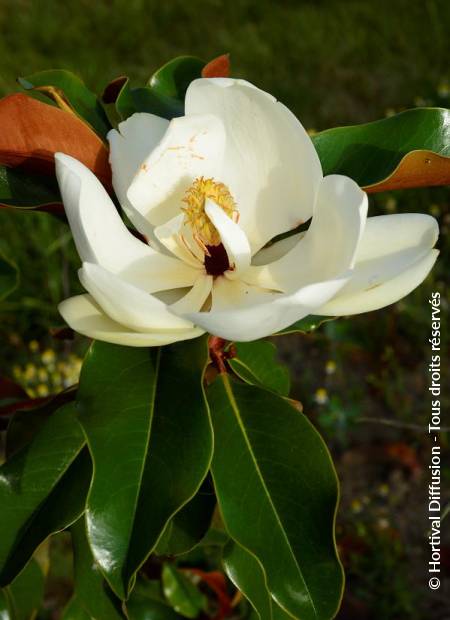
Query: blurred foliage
(362, 381)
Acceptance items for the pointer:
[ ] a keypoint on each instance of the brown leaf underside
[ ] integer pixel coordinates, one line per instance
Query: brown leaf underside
(416, 169)
(32, 132)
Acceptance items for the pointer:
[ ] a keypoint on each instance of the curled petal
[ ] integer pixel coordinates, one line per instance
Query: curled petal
(384, 235)
(394, 257)
(102, 238)
(329, 246)
(97, 228)
(83, 315)
(233, 238)
(193, 300)
(126, 304)
(363, 296)
(255, 314)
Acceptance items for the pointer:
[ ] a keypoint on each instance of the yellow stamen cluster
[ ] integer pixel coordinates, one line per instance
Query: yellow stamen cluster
(203, 229)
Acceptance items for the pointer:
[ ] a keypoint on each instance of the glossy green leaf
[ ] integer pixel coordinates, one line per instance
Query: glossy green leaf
(149, 433)
(145, 99)
(188, 527)
(75, 611)
(164, 93)
(29, 191)
(247, 574)
(27, 591)
(256, 363)
(309, 324)
(9, 276)
(147, 603)
(185, 598)
(370, 153)
(277, 491)
(58, 83)
(173, 79)
(91, 590)
(42, 490)
(60, 509)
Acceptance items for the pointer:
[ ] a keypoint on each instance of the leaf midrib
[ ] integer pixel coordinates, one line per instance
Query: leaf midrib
(235, 408)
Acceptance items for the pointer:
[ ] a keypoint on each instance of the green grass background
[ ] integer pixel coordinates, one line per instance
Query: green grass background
(331, 61)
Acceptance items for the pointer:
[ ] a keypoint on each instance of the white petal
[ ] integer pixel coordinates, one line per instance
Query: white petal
(386, 234)
(83, 315)
(328, 247)
(244, 321)
(159, 272)
(270, 165)
(393, 258)
(233, 238)
(96, 226)
(368, 291)
(126, 304)
(197, 296)
(135, 139)
(101, 237)
(177, 238)
(229, 295)
(191, 147)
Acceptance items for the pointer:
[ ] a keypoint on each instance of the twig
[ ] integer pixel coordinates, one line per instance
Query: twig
(219, 353)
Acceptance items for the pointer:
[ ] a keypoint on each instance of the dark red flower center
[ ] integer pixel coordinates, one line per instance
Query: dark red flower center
(217, 261)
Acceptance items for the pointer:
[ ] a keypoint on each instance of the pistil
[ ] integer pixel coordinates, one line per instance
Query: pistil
(216, 260)
(203, 230)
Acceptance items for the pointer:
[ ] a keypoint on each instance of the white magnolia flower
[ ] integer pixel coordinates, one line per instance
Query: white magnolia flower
(209, 191)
